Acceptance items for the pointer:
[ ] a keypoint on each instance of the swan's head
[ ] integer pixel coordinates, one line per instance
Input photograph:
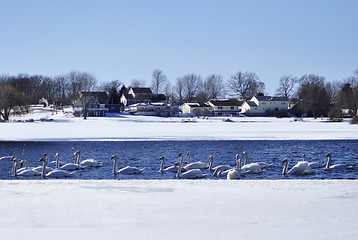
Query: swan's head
(113, 157)
(42, 159)
(210, 157)
(76, 153)
(188, 154)
(56, 155)
(161, 158)
(284, 160)
(14, 159)
(244, 153)
(23, 162)
(180, 154)
(237, 156)
(328, 155)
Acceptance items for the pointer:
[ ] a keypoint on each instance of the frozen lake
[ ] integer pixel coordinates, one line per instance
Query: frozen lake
(145, 154)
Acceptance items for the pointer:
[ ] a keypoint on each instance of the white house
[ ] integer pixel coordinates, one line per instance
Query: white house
(198, 109)
(265, 106)
(225, 107)
(154, 109)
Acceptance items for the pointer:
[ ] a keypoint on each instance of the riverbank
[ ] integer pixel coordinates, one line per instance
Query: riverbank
(177, 209)
(62, 126)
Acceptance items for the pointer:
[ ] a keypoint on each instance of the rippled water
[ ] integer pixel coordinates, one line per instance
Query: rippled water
(146, 154)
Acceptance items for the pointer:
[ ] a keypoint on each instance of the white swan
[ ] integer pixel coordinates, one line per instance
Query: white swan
(25, 172)
(335, 166)
(261, 164)
(223, 167)
(86, 163)
(189, 174)
(194, 165)
(71, 166)
(57, 173)
(252, 167)
(301, 168)
(219, 172)
(47, 169)
(128, 170)
(312, 164)
(233, 174)
(167, 169)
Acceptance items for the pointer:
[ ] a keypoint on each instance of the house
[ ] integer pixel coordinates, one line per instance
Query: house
(136, 95)
(92, 102)
(154, 109)
(225, 107)
(197, 109)
(265, 106)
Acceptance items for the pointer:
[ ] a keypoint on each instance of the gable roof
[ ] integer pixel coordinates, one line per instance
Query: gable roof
(268, 98)
(251, 103)
(197, 104)
(101, 97)
(226, 102)
(142, 90)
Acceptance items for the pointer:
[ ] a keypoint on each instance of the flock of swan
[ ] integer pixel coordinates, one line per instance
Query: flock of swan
(191, 170)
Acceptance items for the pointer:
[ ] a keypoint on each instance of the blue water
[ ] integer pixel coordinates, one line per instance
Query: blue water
(146, 154)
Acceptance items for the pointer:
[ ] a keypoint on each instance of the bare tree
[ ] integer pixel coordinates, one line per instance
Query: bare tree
(158, 81)
(108, 86)
(245, 85)
(192, 84)
(287, 86)
(138, 83)
(214, 86)
(80, 81)
(180, 88)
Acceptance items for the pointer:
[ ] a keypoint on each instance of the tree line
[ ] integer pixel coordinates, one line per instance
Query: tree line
(310, 93)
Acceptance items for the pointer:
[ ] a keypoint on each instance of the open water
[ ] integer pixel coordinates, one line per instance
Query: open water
(145, 154)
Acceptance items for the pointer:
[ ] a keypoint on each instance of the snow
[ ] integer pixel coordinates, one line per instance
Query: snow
(179, 209)
(176, 209)
(124, 127)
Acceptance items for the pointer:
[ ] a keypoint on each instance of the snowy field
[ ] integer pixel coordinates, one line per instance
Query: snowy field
(176, 209)
(63, 126)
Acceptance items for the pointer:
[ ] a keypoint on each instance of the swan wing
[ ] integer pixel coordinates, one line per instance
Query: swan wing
(193, 174)
(57, 173)
(71, 167)
(90, 163)
(299, 168)
(252, 168)
(196, 165)
(130, 170)
(29, 173)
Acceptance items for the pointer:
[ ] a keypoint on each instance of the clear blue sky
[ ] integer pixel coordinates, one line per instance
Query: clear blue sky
(127, 40)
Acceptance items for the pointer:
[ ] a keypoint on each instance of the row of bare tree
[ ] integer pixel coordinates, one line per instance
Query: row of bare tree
(312, 95)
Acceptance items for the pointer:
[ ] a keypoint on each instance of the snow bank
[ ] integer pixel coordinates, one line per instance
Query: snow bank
(125, 127)
(177, 209)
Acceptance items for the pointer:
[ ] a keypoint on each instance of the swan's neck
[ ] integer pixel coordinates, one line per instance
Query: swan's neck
(58, 161)
(161, 170)
(238, 162)
(246, 158)
(43, 173)
(285, 168)
(211, 163)
(218, 172)
(328, 162)
(188, 161)
(15, 168)
(77, 158)
(179, 168)
(115, 165)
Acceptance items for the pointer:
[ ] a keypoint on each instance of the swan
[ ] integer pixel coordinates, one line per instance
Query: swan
(233, 174)
(301, 168)
(195, 165)
(189, 174)
(252, 167)
(312, 164)
(47, 169)
(86, 163)
(219, 172)
(57, 173)
(128, 170)
(168, 169)
(27, 172)
(335, 166)
(261, 164)
(71, 166)
(223, 167)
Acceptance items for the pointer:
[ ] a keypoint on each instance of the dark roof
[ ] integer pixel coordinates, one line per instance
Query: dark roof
(198, 104)
(158, 97)
(252, 103)
(101, 97)
(268, 98)
(142, 90)
(226, 102)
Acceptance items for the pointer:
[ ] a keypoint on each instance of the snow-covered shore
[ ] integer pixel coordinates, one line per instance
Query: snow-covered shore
(176, 209)
(124, 127)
